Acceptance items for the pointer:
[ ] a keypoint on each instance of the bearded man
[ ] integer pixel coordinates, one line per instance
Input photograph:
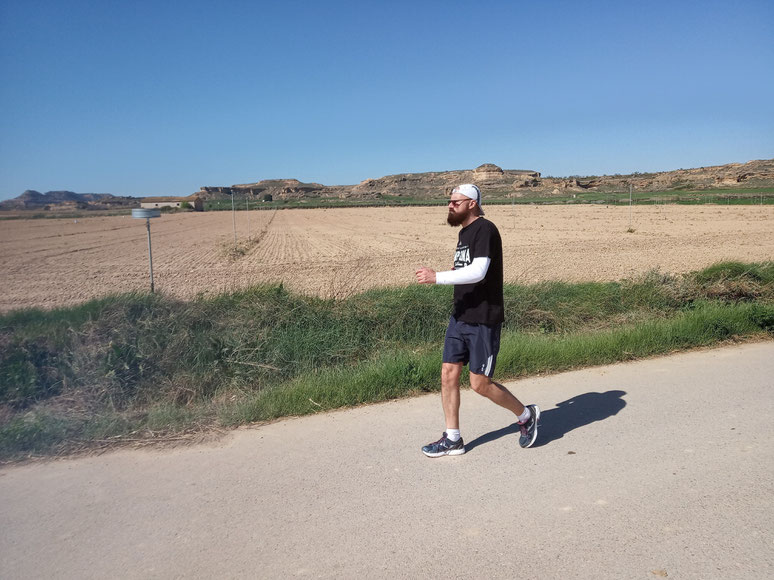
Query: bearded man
(473, 334)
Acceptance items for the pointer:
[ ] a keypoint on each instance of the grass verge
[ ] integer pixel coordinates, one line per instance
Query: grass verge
(141, 367)
(401, 373)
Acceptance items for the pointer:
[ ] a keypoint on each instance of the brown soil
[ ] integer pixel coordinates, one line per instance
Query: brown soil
(336, 252)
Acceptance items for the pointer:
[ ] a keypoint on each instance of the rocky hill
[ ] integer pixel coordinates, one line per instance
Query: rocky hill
(59, 200)
(496, 182)
(506, 183)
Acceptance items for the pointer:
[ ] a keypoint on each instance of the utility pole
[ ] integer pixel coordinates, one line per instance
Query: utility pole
(247, 206)
(233, 215)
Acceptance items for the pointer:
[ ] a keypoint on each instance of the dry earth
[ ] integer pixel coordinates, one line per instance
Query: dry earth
(335, 252)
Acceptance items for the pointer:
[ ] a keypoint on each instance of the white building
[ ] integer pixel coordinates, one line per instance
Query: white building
(159, 202)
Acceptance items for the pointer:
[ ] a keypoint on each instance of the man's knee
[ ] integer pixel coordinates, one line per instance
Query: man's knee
(480, 383)
(450, 375)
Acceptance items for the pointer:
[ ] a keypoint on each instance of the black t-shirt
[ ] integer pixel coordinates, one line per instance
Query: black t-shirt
(482, 302)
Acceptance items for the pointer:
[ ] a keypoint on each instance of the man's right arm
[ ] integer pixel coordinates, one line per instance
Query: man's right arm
(474, 272)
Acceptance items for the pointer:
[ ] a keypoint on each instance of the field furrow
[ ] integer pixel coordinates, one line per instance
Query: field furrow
(334, 252)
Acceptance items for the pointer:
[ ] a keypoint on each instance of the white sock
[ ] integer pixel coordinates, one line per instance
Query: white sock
(524, 417)
(453, 435)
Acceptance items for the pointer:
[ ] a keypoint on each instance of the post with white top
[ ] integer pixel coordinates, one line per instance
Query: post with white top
(146, 214)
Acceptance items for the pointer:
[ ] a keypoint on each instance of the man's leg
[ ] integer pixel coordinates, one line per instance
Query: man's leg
(451, 442)
(496, 393)
(454, 349)
(527, 417)
(450, 393)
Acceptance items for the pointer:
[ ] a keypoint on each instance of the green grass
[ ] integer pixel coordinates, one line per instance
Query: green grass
(404, 372)
(136, 365)
(721, 196)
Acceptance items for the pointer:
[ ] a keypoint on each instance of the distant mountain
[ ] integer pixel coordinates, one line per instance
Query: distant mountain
(436, 185)
(505, 182)
(32, 199)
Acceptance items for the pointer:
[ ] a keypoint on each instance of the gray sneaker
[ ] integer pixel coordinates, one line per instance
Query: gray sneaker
(529, 429)
(444, 447)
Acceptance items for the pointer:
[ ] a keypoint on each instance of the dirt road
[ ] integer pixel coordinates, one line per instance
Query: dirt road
(336, 252)
(659, 468)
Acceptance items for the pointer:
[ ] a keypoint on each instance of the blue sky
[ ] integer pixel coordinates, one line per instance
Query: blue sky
(152, 98)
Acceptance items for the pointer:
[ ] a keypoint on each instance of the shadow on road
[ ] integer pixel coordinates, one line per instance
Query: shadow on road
(568, 415)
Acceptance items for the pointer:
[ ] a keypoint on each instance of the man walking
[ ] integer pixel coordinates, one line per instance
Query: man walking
(473, 335)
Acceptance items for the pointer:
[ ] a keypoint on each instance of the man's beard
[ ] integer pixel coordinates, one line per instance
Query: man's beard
(455, 219)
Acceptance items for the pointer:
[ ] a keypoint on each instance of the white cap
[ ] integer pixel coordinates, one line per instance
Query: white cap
(471, 191)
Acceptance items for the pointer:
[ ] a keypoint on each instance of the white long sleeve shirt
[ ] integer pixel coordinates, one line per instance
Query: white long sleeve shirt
(471, 274)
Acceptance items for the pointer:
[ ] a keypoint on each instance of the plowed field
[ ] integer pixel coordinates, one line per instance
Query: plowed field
(336, 252)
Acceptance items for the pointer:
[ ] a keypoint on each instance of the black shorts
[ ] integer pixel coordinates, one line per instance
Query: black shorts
(476, 344)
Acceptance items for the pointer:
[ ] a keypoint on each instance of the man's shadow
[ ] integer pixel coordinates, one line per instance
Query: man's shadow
(568, 415)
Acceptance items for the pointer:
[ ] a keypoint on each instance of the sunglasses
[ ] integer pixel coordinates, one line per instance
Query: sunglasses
(457, 202)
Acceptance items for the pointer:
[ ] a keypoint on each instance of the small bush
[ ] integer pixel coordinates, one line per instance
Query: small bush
(29, 372)
(762, 316)
(34, 433)
(728, 271)
(735, 281)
